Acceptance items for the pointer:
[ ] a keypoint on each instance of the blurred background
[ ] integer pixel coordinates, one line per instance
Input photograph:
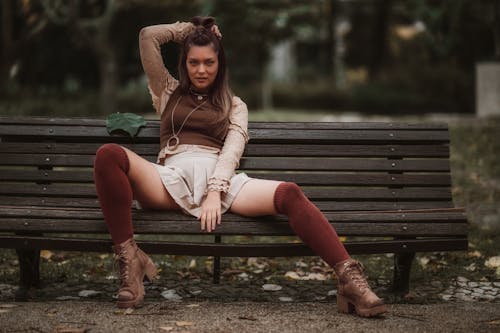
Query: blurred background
(81, 57)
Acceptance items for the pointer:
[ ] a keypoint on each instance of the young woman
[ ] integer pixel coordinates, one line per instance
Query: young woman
(203, 132)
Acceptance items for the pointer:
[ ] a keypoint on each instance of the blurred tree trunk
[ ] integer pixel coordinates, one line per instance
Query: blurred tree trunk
(7, 15)
(95, 33)
(13, 43)
(496, 30)
(108, 71)
(380, 37)
(330, 19)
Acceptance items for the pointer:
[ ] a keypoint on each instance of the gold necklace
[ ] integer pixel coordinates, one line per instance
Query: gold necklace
(175, 136)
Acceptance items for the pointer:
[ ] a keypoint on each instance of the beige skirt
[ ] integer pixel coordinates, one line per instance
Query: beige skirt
(185, 176)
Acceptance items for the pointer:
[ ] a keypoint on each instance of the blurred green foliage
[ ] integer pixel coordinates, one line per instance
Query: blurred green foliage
(56, 56)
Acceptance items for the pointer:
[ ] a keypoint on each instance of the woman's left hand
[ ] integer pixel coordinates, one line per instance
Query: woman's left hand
(210, 211)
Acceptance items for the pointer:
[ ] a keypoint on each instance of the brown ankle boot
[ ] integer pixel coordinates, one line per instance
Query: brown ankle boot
(354, 293)
(134, 264)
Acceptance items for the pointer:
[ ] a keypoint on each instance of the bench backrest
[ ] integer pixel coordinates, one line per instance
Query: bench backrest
(341, 166)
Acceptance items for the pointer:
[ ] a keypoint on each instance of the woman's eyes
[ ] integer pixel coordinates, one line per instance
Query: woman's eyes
(196, 63)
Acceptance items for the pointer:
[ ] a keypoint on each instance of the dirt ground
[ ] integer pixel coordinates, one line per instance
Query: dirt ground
(92, 316)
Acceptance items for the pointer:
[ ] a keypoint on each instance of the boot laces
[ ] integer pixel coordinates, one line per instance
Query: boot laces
(122, 260)
(355, 272)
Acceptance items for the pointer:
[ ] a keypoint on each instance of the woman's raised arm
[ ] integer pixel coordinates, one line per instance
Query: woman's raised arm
(161, 84)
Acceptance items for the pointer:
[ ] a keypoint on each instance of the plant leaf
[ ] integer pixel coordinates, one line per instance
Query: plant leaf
(128, 123)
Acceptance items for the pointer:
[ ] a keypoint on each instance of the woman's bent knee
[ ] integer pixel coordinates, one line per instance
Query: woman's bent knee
(111, 153)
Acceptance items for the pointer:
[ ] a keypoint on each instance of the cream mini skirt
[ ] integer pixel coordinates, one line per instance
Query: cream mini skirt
(185, 176)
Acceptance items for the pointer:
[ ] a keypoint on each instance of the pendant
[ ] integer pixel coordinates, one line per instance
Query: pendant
(175, 139)
(200, 97)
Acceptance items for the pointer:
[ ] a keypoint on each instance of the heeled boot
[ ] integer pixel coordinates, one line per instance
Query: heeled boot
(354, 293)
(134, 265)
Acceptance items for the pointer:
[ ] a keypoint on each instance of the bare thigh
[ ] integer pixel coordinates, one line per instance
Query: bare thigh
(146, 183)
(256, 198)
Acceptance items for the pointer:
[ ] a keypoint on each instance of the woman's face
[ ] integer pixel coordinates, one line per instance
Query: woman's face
(202, 65)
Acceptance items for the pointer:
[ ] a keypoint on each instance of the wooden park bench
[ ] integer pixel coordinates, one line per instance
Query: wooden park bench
(385, 186)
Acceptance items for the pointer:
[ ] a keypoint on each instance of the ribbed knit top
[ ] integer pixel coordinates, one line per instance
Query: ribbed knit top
(201, 128)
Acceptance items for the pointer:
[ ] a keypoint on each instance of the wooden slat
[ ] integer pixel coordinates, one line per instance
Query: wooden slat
(353, 136)
(148, 133)
(301, 178)
(252, 149)
(372, 229)
(174, 217)
(233, 250)
(257, 163)
(347, 164)
(21, 120)
(45, 201)
(347, 150)
(77, 190)
(349, 125)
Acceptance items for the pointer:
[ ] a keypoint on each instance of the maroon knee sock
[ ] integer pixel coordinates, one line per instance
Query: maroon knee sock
(114, 191)
(309, 223)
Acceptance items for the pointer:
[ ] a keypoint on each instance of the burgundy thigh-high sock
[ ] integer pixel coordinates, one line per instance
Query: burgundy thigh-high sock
(114, 191)
(309, 223)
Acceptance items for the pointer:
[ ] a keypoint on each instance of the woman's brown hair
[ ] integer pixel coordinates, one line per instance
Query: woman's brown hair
(220, 94)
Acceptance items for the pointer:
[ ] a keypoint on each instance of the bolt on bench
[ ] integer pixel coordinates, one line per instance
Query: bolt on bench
(385, 186)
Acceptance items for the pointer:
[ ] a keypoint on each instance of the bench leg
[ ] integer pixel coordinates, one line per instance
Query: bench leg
(216, 275)
(402, 268)
(29, 273)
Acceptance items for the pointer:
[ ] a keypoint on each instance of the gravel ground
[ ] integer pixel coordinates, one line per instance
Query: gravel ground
(92, 316)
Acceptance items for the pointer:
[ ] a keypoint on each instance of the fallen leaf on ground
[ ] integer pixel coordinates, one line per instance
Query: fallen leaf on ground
(271, 287)
(286, 299)
(471, 267)
(493, 262)
(166, 328)
(88, 293)
(247, 318)
(171, 295)
(300, 263)
(183, 323)
(310, 276)
(46, 254)
(232, 272)
(475, 254)
(494, 322)
(423, 261)
(292, 275)
(129, 311)
(64, 329)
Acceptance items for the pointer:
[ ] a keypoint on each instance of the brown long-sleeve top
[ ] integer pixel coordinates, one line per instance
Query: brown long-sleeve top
(162, 85)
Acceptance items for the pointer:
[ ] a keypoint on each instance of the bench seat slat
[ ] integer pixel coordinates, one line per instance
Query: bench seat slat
(347, 150)
(450, 215)
(44, 201)
(234, 250)
(301, 178)
(369, 228)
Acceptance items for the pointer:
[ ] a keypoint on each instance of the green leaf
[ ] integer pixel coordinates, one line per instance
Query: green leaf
(129, 123)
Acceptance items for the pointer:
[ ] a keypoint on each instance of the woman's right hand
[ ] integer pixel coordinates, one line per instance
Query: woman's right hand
(215, 30)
